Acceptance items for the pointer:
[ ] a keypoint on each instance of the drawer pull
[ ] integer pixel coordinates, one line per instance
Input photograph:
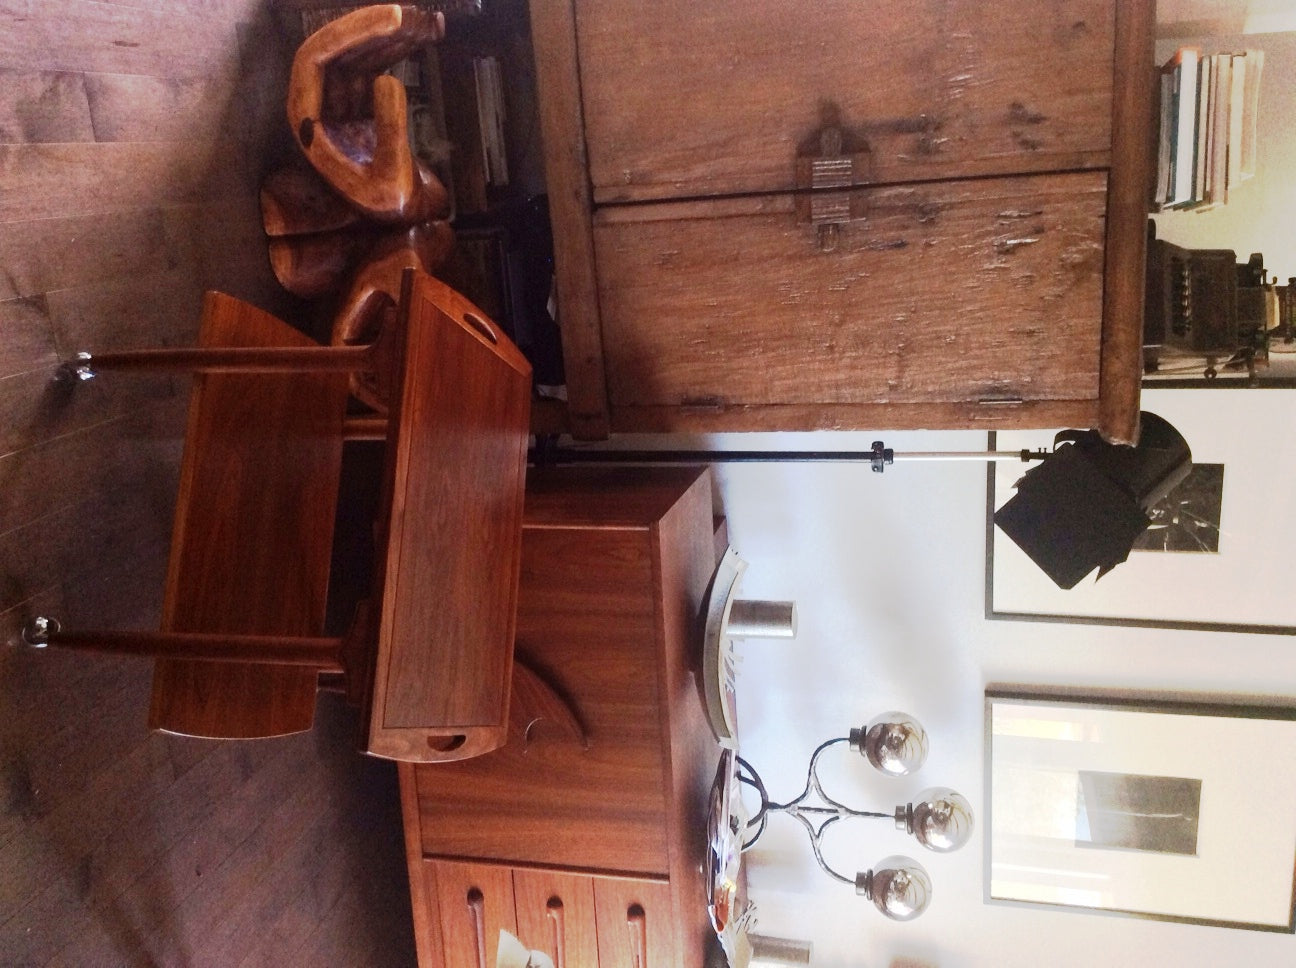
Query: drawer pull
(636, 921)
(555, 911)
(477, 912)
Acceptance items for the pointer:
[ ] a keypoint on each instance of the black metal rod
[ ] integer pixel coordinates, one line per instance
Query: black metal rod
(543, 456)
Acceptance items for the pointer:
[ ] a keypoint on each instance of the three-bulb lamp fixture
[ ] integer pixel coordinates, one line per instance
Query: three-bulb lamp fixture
(940, 819)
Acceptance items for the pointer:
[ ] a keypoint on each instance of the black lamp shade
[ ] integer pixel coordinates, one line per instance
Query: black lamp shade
(1085, 505)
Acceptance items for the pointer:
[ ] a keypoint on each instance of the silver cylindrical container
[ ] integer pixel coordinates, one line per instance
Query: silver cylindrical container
(770, 952)
(762, 620)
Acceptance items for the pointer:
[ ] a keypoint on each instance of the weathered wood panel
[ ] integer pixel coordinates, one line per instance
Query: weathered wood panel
(969, 291)
(933, 88)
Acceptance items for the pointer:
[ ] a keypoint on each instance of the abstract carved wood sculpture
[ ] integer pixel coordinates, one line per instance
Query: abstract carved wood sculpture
(367, 208)
(349, 118)
(370, 302)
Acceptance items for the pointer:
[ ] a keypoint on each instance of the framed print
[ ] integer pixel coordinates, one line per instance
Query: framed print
(1175, 811)
(1210, 558)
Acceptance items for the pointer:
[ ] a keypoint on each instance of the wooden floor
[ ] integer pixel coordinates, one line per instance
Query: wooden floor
(133, 134)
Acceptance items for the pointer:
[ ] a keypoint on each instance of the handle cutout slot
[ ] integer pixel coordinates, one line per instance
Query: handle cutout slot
(483, 327)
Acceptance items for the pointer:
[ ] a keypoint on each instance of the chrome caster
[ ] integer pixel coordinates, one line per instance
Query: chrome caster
(36, 633)
(77, 369)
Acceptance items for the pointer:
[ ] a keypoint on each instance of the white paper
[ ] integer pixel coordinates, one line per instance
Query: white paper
(514, 954)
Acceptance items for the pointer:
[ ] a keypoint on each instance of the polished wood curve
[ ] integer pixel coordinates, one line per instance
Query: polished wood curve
(322, 654)
(253, 534)
(457, 445)
(349, 119)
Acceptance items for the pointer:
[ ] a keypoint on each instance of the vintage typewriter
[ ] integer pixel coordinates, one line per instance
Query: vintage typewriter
(1207, 313)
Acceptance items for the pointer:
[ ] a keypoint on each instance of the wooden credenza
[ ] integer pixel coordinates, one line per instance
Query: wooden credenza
(991, 171)
(597, 850)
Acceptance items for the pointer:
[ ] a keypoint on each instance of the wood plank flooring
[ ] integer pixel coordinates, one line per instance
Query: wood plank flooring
(133, 136)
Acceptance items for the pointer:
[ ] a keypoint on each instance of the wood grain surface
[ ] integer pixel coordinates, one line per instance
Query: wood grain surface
(555, 914)
(558, 76)
(690, 751)
(476, 903)
(714, 416)
(959, 97)
(615, 564)
(458, 447)
(253, 532)
(966, 291)
(935, 89)
(1133, 159)
(123, 846)
(634, 927)
(425, 901)
(552, 803)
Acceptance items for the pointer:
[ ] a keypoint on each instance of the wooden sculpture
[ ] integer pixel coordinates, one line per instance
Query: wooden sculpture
(349, 118)
(367, 208)
(371, 299)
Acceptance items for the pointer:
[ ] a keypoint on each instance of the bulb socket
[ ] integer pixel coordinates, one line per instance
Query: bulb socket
(904, 818)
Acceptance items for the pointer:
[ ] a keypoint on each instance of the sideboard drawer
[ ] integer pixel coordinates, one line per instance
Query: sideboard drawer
(475, 902)
(578, 920)
(634, 924)
(555, 914)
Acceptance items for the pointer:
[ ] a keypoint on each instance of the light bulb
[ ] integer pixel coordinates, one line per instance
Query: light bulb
(898, 887)
(939, 819)
(894, 743)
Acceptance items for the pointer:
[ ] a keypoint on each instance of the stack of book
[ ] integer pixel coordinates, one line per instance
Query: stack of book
(1208, 127)
(315, 17)
(490, 118)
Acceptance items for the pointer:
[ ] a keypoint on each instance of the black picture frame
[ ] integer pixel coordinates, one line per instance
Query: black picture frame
(1224, 592)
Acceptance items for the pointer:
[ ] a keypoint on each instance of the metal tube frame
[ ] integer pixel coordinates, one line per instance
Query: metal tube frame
(815, 817)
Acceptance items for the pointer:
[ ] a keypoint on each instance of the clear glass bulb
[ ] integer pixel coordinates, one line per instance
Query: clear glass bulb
(894, 743)
(940, 819)
(898, 886)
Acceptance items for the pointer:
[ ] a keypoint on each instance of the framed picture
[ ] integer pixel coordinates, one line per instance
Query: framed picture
(1210, 559)
(1174, 811)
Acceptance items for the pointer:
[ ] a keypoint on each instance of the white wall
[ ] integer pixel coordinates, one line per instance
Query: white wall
(887, 571)
(1178, 18)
